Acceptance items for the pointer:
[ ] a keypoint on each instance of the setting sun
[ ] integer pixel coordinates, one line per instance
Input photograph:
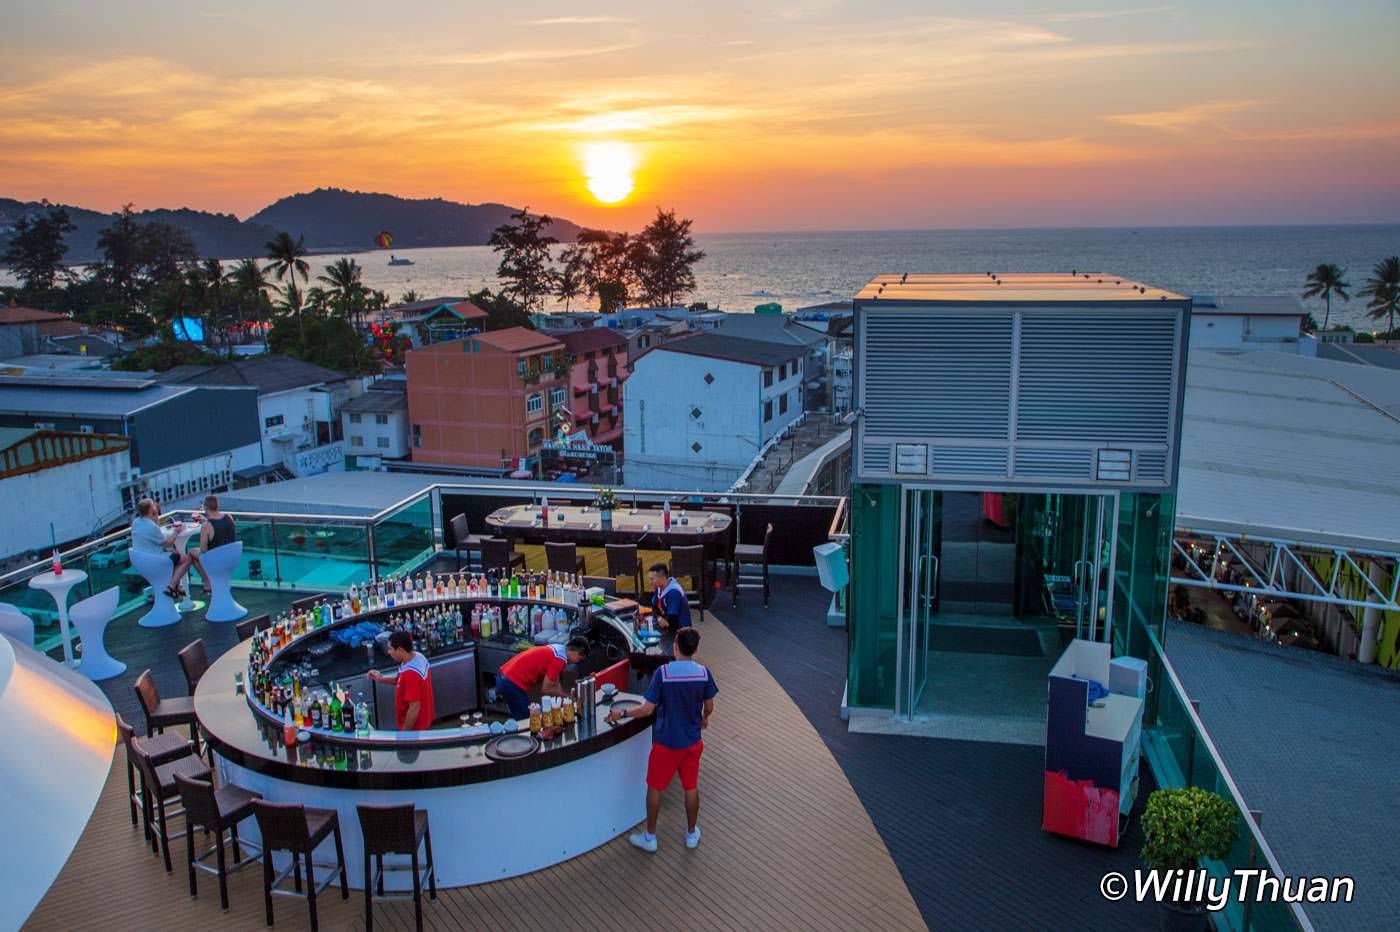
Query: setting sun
(607, 169)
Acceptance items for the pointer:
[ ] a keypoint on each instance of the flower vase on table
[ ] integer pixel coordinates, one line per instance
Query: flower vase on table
(605, 502)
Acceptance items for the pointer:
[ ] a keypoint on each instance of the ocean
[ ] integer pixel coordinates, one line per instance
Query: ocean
(741, 270)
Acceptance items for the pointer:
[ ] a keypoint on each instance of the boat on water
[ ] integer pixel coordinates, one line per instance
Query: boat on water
(395, 260)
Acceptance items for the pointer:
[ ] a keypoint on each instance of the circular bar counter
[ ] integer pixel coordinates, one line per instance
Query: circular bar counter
(490, 818)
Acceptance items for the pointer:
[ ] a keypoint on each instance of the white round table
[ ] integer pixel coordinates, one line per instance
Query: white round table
(183, 533)
(57, 585)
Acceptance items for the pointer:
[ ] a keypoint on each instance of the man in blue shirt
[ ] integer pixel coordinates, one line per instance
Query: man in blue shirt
(668, 599)
(682, 693)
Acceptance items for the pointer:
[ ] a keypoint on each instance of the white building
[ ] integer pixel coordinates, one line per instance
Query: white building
(298, 406)
(699, 408)
(71, 482)
(1232, 323)
(375, 424)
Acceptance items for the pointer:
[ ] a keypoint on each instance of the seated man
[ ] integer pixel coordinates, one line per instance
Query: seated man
(147, 537)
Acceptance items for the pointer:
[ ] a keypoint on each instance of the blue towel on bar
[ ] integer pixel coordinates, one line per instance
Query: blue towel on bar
(355, 634)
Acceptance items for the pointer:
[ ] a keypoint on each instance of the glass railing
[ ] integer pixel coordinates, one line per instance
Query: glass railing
(1180, 752)
(327, 553)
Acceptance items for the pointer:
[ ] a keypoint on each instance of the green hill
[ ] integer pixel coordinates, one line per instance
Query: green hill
(332, 220)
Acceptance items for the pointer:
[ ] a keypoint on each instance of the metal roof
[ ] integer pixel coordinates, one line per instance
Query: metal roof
(1291, 447)
(378, 402)
(737, 349)
(42, 399)
(1277, 305)
(268, 374)
(770, 328)
(1018, 288)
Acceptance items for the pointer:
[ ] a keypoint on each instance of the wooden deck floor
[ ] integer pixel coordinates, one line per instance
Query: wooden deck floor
(786, 845)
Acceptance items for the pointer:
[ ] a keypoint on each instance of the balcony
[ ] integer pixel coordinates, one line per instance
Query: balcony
(860, 804)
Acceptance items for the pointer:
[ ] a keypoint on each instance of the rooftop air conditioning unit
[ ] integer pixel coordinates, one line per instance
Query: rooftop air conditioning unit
(85, 429)
(43, 425)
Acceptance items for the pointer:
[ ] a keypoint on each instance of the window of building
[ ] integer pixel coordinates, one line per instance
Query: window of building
(556, 396)
(417, 435)
(768, 410)
(534, 403)
(381, 419)
(354, 418)
(356, 441)
(273, 421)
(588, 356)
(383, 442)
(782, 403)
(767, 378)
(782, 372)
(536, 437)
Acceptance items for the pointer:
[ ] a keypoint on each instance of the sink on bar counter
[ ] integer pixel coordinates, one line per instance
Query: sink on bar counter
(491, 818)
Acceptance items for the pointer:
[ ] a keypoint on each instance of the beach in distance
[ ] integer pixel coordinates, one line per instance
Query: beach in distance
(742, 270)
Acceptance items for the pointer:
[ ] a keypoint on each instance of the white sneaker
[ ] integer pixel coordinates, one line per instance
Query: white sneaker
(692, 839)
(639, 840)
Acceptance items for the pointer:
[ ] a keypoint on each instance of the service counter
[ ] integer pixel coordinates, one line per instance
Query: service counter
(494, 814)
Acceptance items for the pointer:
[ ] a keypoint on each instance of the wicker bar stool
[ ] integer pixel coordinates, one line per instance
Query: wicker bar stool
(162, 749)
(752, 564)
(158, 790)
(498, 554)
(249, 626)
(563, 557)
(161, 713)
(464, 541)
(214, 811)
(298, 830)
(690, 563)
(398, 829)
(193, 661)
(623, 562)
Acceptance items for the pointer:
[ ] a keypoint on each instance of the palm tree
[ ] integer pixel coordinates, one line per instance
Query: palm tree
(343, 275)
(249, 280)
(287, 261)
(1326, 280)
(1383, 288)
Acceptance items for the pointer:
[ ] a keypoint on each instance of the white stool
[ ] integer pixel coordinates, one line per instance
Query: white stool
(90, 617)
(219, 563)
(16, 624)
(156, 567)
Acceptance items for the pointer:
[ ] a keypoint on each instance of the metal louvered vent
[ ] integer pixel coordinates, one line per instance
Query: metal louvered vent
(950, 375)
(971, 461)
(875, 458)
(1151, 466)
(1091, 378)
(1069, 464)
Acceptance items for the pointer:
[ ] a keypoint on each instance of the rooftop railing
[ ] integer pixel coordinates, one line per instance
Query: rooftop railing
(311, 552)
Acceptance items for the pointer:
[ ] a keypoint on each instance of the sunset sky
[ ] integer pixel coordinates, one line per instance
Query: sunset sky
(791, 115)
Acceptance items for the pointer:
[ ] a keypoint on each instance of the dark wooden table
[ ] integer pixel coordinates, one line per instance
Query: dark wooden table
(585, 525)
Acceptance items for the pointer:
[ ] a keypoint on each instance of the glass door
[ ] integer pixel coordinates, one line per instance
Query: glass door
(918, 570)
(1093, 568)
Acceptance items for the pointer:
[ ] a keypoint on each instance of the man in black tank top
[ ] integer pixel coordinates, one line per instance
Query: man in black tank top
(216, 529)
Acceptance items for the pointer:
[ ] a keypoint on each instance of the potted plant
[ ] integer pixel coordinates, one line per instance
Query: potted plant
(605, 501)
(1183, 825)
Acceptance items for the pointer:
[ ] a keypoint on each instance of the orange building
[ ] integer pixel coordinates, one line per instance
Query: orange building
(599, 368)
(486, 400)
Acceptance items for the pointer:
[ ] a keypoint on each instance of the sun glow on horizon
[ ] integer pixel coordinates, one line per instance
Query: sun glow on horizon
(607, 169)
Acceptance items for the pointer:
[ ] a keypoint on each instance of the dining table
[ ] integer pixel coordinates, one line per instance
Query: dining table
(58, 585)
(591, 526)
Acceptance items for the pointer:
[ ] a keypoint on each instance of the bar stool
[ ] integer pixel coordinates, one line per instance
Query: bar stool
(297, 829)
(214, 811)
(690, 563)
(156, 568)
(90, 618)
(16, 624)
(752, 556)
(464, 540)
(497, 554)
(397, 829)
(162, 712)
(194, 661)
(623, 560)
(158, 789)
(246, 628)
(219, 564)
(161, 749)
(563, 557)
(306, 604)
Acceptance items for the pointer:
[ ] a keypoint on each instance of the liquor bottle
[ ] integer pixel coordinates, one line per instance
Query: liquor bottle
(315, 713)
(666, 516)
(289, 731)
(544, 510)
(347, 710)
(361, 716)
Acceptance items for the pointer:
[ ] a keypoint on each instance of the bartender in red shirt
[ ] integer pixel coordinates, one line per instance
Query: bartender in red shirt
(413, 684)
(538, 666)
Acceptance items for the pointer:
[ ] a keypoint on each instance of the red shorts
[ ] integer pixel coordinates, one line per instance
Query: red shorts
(665, 763)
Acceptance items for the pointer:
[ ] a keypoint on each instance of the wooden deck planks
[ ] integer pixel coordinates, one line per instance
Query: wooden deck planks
(786, 845)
